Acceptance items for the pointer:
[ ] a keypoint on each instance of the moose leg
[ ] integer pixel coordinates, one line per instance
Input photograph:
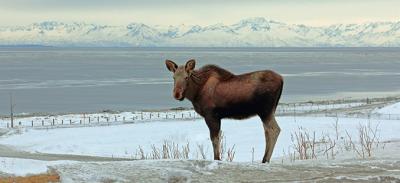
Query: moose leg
(215, 134)
(271, 130)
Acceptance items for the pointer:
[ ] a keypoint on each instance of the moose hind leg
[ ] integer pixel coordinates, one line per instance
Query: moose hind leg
(271, 130)
(215, 135)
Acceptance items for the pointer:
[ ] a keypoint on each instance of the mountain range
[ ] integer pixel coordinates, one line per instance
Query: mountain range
(250, 32)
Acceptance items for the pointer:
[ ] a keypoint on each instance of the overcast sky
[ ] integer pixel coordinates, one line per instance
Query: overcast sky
(174, 12)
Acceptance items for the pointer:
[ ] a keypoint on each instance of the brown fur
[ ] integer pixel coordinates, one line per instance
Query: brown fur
(217, 93)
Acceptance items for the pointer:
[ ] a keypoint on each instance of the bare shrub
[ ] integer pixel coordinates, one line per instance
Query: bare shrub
(140, 153)
(330, 145)
(336, 127)
(230, 154)
(252, 155)
(185, 151)
(224, 150)
(155, 153)
(307, 146)
(367, 138)
(201, 151)
(304, 144)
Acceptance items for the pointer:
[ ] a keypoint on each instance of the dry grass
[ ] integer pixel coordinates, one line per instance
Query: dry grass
(172, 150)
(168, 150)
(40, 178)
(306, 146)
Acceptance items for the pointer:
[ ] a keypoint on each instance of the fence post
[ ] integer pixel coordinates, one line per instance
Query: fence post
(70, 121)
(42, 123)
(115, 117)
(80, 121)
(62, 121)
(32, 123)
(89, 119)
(98, 119)
(294, 109)
(53, 121)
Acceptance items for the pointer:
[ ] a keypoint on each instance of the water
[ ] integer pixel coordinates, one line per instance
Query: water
(94, 79)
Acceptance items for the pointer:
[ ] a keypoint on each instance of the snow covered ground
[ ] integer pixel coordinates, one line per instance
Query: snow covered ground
(390, 109)
(22, 167)
(123, 140)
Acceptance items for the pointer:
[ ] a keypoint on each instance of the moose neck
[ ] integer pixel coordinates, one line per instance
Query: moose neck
(192, 91)
(196, 83)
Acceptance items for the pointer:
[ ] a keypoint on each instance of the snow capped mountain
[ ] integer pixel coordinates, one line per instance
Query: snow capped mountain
(257, 32)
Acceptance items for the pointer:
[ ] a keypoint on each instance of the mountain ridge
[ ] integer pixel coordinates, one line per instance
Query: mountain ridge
(250, 32)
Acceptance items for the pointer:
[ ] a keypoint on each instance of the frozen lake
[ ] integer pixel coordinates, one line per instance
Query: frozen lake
(93, 79)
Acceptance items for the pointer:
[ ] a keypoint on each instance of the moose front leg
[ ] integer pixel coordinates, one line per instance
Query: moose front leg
(214, 125)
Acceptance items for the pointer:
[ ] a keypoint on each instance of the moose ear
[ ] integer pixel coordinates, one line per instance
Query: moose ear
(171, 66)
(190, 64)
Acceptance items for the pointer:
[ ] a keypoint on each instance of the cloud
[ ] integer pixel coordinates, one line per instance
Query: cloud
(203, 12)
(104, 4)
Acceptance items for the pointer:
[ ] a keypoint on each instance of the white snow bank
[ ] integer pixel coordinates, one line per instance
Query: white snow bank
(22, 167)
(390, 109)
(124, 140)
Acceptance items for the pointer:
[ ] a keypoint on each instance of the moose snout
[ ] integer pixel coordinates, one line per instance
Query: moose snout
(178, 94)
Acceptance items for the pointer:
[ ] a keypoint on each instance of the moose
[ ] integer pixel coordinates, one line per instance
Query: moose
(217, 93)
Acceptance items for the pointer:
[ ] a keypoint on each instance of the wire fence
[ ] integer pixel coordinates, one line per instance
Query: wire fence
(97, 119)
(335, 109)
(326, 109)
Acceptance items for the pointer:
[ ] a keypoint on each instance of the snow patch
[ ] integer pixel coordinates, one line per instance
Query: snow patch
(390, 109)
(22, 167)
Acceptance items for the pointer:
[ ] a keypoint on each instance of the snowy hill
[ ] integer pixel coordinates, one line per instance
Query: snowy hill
(258, 32)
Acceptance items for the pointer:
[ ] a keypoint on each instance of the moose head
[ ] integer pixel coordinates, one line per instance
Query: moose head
(181, 76)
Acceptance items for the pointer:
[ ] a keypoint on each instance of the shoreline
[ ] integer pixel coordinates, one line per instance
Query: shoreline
(351, 108)
(386, 100)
